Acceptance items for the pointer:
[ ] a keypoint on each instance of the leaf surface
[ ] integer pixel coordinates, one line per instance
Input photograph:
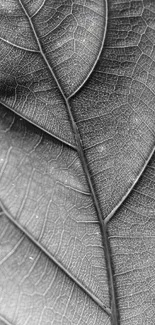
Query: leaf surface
(117, 128)
(77, 183)
(50, 200)
(34, 290)
(41, 43)
(133, 254)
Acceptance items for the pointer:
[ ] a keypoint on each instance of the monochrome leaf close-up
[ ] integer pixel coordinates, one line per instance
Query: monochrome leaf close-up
(77, 162)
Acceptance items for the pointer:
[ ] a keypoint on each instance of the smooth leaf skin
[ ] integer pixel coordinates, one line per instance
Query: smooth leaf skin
(43, 188)
(39, 39)
(34, 290)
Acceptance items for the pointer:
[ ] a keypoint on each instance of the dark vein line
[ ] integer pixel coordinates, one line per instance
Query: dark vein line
(77, 190)
(55, 261)
(113, 311)
(40, 127)
(38, 10)
(111, 214)
(4, 320)
(18, 46)
(102, 227)
(98, 56)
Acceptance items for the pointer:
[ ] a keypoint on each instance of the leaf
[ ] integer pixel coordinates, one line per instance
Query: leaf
(49, 41)
(77, 175)
(48, 181)
(132, 247)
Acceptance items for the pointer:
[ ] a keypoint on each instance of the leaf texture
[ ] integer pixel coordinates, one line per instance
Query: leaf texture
(133, 251)
(77, 162)
(117, 128)
(34, 290)
(49, 41)
(44, 189)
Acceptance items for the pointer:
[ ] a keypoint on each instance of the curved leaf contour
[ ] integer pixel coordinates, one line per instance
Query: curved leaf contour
(42, 42)
(114, 111)
(77, 238)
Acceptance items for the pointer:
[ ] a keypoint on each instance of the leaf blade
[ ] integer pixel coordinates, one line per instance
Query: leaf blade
(132, 247)
(47, 115)
(31, 279)
(121, 76)
(114, 112)
(44, 192)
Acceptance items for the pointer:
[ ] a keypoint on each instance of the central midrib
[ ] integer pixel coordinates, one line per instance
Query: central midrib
(103, 227)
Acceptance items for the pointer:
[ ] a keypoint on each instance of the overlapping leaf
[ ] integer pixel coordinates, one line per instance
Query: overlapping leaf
(59, 265)
(41, 43)
(44, 189)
